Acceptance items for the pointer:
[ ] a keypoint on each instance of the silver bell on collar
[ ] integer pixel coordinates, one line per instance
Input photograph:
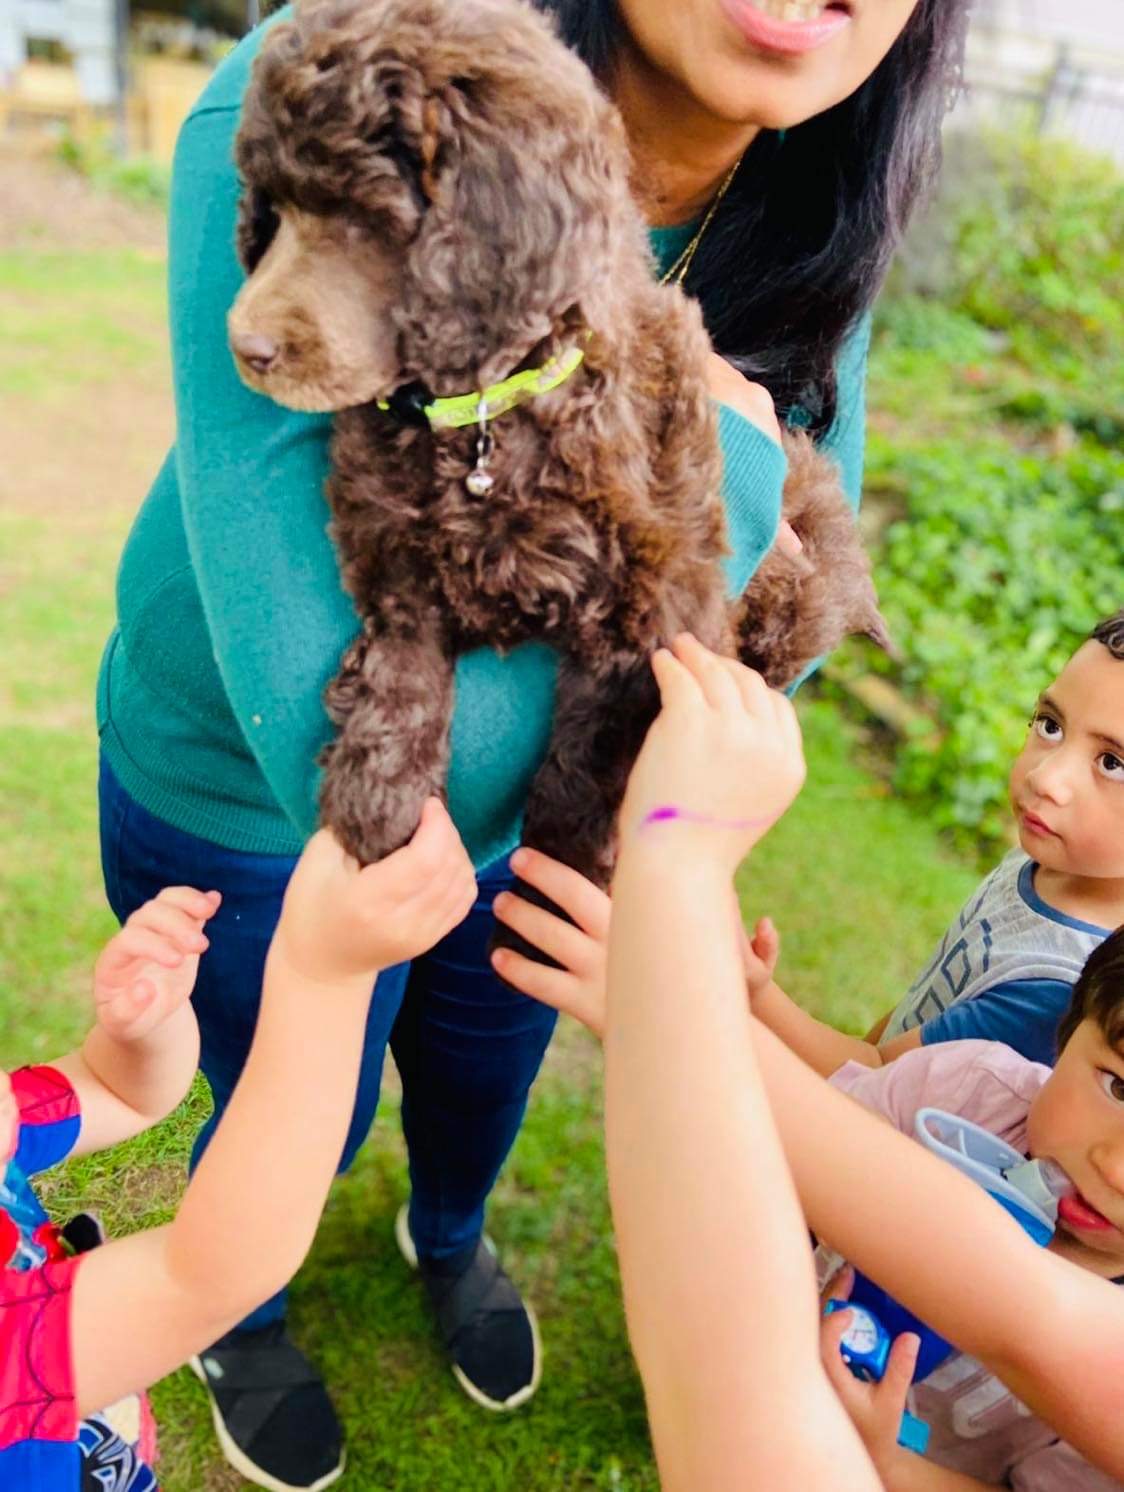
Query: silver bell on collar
(480, 480)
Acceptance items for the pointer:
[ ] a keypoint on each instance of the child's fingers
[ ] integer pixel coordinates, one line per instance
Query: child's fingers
(766, 941)
(567, 888)
(900, 1367)
(553, 987)
(181, 929)
(407, 871)
(134, 942)
(677, 685)
(715, 681)
(202, 905)
(833, 1329)
(559, 940)
(751, 687)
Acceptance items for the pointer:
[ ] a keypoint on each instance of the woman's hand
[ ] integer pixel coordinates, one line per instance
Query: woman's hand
(720, 764)
(340, 923)
(578, 987)
(876, 1409)
(752, 401)
(146, 972)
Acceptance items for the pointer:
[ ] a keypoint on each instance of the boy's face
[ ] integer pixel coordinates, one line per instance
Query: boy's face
(9, 1121)
(1067, 784)
(1077, 1119)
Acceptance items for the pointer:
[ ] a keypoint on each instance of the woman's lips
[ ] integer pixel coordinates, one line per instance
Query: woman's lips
(772, 34)
(1075, 1212)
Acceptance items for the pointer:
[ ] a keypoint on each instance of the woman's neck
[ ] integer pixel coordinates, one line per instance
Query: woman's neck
(680, 153)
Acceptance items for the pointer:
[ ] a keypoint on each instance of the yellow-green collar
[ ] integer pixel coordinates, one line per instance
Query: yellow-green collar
(477, 408)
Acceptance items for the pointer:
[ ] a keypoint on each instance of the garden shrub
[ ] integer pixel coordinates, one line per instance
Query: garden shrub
(997, 450)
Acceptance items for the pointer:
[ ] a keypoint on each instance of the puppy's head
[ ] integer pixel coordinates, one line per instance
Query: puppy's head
(431, 189)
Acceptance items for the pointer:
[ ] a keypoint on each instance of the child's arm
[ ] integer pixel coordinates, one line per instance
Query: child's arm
(820, 1045)
(144, 1305)
(717, 1274)
(579, 946)
(875, 1195)
(139, 1059)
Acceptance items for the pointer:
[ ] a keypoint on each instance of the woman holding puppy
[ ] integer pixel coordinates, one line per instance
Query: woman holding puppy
(779, 148)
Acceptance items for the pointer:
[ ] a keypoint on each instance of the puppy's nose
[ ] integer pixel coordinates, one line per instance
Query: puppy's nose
(256, 351)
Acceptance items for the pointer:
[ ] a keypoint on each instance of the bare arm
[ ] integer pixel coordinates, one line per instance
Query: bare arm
(138, 1061)
(823, 1047)
(884, 1203)
(144, 1305)
(718, 1281)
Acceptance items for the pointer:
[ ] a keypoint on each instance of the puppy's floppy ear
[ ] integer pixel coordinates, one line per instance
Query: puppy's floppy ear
(436, 130)
(521, 226)
(257, 225)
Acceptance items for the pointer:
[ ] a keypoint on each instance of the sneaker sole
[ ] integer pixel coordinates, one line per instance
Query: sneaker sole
(242, 1463)
(495, 1406)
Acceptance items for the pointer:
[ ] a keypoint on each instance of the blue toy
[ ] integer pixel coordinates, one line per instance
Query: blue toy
(1028, 1190)
(866, 1349)
(25, 1216)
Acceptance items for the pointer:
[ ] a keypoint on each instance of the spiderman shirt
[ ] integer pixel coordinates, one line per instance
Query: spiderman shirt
(43, 1446)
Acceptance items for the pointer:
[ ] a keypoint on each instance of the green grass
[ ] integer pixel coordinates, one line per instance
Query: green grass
(859, 886)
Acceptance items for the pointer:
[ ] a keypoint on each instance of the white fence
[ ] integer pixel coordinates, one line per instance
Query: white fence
(1056, 86)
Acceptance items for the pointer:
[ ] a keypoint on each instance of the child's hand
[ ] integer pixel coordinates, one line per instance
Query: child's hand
(721, 763)
(759, 956)
(340, 923)
(875, 1408)
(578, 987)
(147, 970)
(9, 1121)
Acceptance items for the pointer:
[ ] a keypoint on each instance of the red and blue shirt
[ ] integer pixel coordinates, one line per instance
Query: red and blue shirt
(43, 1445)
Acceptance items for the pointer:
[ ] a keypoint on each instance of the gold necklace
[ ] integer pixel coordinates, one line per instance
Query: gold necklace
(678, 271)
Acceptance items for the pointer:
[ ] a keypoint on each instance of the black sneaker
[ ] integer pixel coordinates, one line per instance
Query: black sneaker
(272, 1413)
(489, 1331)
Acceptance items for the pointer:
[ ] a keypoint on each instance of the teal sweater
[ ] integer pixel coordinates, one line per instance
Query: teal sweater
(231, 617)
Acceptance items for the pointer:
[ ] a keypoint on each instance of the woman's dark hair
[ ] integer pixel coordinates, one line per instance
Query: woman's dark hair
(1098, 994)
(806, 232)
(1110, 632)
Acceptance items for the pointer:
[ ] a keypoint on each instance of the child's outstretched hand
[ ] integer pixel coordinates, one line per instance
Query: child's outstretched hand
(876, 1409)
(147, 971)
(580, 946)
(759, 956)
(341, 923)
(721, 763)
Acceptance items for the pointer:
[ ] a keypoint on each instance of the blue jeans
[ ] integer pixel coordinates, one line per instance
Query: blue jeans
(467, 1047)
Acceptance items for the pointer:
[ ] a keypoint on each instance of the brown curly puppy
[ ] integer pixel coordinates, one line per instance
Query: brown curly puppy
(436, 196)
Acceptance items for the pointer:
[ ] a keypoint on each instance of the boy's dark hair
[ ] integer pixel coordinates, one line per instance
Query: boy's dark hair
(1098, 994)
(1110, 632)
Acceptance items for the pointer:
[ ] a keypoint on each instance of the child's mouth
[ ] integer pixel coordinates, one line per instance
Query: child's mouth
(1075, 1212)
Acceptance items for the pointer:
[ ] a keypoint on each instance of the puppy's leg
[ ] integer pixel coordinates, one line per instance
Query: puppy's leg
(392, 699)
(601, 717)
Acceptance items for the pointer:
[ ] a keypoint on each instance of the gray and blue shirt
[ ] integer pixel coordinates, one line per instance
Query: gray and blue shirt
(1004, 971)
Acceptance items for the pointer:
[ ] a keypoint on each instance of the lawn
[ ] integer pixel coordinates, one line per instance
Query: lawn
(859, 885)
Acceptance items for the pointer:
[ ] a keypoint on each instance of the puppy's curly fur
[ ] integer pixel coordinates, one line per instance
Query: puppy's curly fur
(437, 192)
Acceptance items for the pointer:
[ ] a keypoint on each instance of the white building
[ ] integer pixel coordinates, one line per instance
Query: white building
(86, 28)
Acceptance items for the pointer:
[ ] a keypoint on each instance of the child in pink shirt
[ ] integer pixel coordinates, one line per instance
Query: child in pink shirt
(1073, 1114)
